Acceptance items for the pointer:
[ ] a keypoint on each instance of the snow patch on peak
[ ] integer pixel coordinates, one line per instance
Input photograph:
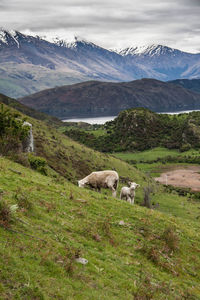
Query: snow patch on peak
(150, 50)
(3, 37)
(8, 36)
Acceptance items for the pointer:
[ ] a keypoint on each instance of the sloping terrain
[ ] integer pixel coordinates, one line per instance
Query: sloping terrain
(139, 129)
(29, 64)
(47, 223)
(151, 255)
(190, 84)
(29, 111)
(170, 63)
(94, 98)
(67, 157)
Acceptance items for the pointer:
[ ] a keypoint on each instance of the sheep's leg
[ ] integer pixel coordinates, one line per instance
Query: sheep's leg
(129, 200)
(98, 189)
(132, 201)
(114, 192)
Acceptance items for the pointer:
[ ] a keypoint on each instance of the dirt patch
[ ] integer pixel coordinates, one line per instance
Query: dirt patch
(188, 177)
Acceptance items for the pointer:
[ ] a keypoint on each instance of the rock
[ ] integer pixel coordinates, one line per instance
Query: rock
(81, 200)
(97, 237)
(122, 223)
(81, 260)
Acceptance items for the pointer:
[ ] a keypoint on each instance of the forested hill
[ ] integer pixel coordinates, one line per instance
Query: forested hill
(94, 98)
(140, 129)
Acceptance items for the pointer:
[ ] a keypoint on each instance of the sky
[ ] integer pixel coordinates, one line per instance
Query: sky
(108, 23)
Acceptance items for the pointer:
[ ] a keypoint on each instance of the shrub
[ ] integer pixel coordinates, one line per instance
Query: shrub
(38, 163)
(171, 238)
(6, 213)
(12, 131)
(23, 200)
(185, 147)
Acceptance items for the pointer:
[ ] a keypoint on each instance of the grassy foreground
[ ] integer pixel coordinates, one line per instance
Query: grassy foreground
(150, 255)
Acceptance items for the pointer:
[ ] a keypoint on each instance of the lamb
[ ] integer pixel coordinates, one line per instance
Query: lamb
(129, 192)
(101, 179)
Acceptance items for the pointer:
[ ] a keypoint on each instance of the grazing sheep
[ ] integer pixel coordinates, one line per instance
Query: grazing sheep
(101, 179)
(129, 192)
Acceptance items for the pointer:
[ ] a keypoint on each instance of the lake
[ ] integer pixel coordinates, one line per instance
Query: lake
(102, 120)
(94, 120)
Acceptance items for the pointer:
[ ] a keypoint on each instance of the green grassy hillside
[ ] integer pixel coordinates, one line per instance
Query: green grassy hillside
(48, 222)
(152, 255)
(66, 157)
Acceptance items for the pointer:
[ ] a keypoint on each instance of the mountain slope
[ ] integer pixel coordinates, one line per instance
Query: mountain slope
(102, 98)
(29, 64)
(190, 84)
(29, 111)
(168, 62)
(33, 64)
(57, 223)
(47, 223)
(66, 157)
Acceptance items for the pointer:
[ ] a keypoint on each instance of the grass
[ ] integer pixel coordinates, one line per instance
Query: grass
(153, 154)
(144, 160)
(154, 255)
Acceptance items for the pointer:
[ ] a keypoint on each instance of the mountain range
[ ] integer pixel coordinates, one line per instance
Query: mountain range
(96, 98)
(30, 63)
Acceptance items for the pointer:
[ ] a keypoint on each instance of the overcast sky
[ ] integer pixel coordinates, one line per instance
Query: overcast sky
(109, 23)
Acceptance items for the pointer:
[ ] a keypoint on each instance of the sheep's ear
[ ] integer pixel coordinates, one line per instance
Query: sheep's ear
(129, 183)
(138, 185)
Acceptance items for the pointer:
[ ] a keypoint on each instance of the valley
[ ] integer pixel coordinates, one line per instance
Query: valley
(59, 240)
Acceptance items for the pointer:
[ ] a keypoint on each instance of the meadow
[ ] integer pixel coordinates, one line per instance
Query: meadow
(47, 223)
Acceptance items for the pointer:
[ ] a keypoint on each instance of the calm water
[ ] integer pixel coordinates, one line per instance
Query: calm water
(102, 120)
(96, 120)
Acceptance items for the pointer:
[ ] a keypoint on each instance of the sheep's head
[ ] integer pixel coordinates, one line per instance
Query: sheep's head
(133, 185)
(81, 183)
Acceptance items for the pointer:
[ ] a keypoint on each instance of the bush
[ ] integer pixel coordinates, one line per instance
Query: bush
(171, 238)
(185, 147)
(12, 131)
(22, 200)
(38, 163)
(6, 213)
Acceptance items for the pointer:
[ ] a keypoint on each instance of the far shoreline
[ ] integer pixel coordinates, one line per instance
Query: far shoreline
(104, 119)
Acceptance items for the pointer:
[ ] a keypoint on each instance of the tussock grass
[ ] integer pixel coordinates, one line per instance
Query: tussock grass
(152, 255)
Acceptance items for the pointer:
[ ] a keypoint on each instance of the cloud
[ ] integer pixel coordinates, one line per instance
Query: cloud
(112, 23)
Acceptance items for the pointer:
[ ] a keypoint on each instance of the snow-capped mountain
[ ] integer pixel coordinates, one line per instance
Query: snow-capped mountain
(169, 62)
(150, 50)
(32, 63)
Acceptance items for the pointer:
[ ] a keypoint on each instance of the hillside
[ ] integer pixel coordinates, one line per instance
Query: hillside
(29, 111)
(140, 129)
(190, 84)
(95, 98)
(65, 156)
(154, 255)
(47, 223)
(29, 64)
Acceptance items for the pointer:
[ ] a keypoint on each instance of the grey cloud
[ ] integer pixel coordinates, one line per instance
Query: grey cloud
(109, 23)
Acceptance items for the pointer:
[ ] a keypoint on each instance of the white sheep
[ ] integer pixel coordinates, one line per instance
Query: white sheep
(101, 179)
(129, 192)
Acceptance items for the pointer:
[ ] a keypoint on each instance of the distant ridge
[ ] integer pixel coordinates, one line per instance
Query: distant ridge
(29, 64)
(190, 84)
(94, 98)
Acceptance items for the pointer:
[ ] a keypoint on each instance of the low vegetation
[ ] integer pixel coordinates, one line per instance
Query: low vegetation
(48, 225)
(150, 255)
(140, 129)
